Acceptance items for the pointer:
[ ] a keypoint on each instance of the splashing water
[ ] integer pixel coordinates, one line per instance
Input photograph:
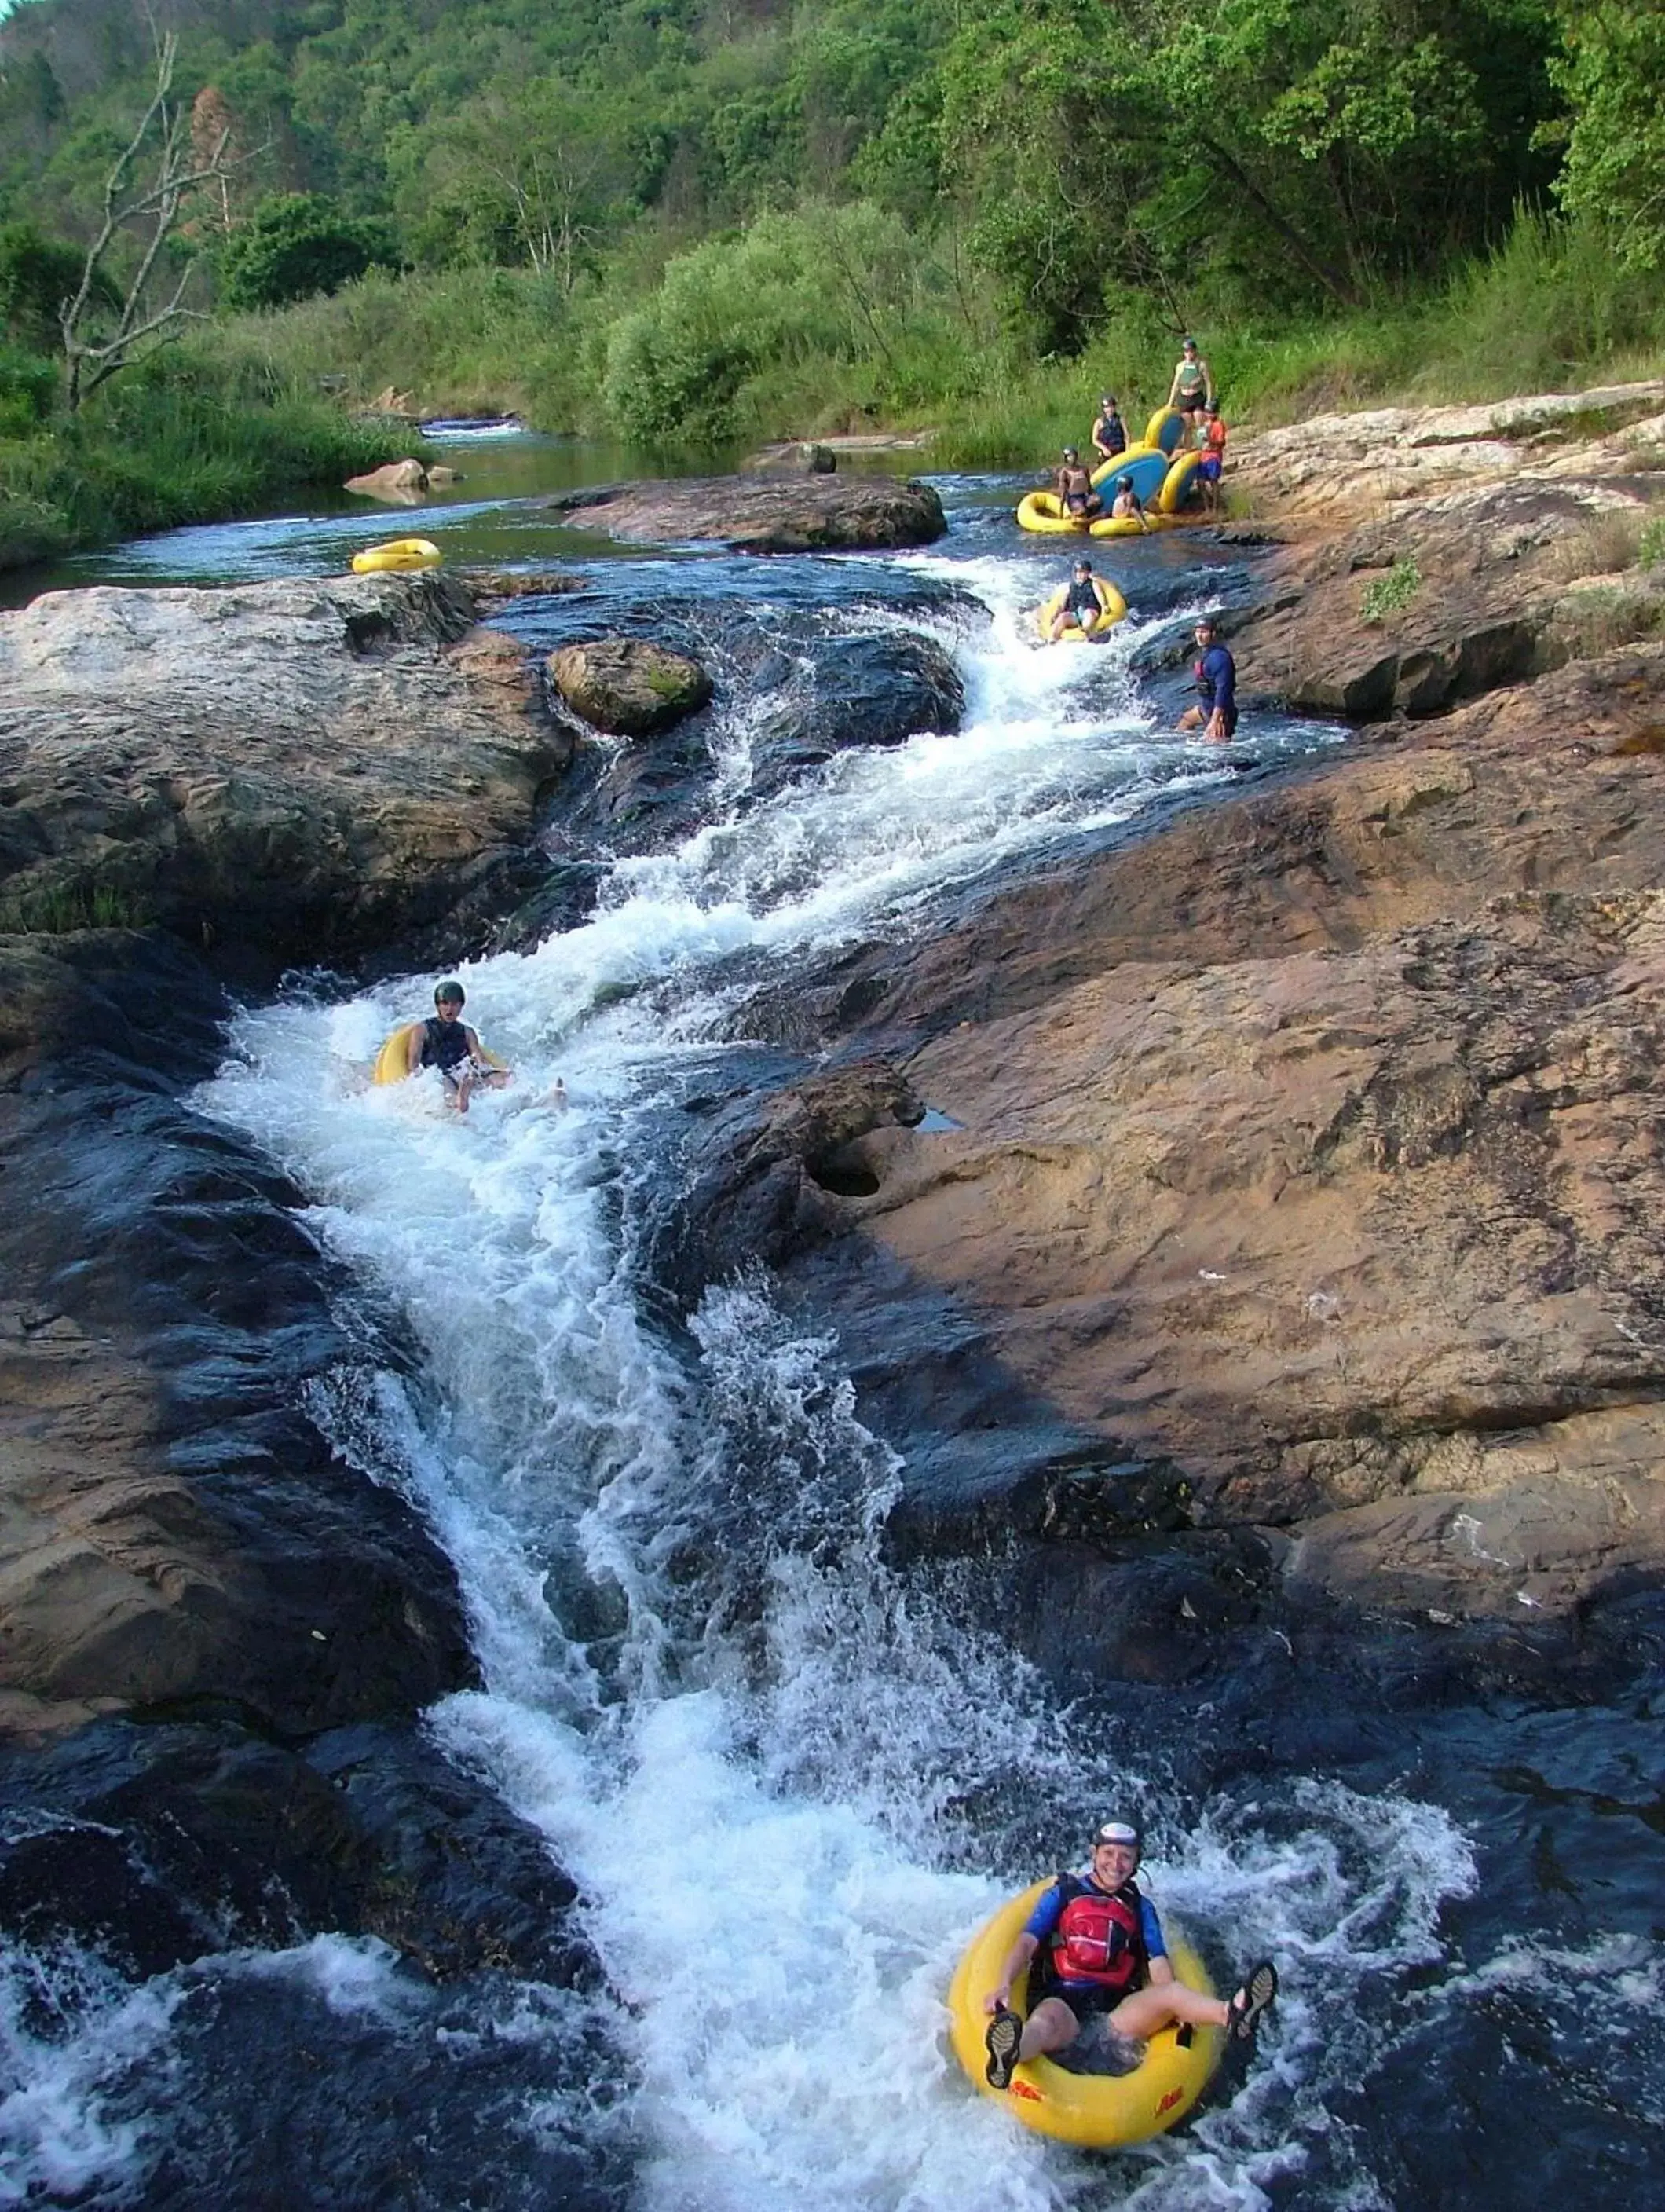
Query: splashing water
(788, 1778)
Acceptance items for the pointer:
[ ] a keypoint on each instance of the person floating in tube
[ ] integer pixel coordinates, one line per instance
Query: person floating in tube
(1214, 672)
(1127, 505)
(1193, 387)
(1093, 1948)
(446, 1041)
(1085, 603)
(1073, 486)
(1110, 432)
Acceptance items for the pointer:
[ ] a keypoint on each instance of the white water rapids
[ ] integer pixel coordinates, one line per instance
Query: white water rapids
(768, 1804)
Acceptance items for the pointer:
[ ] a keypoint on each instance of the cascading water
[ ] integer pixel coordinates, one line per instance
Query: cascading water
(788, 1776)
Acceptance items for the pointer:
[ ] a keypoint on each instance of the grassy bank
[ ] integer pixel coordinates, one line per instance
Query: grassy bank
(194, 434)
(830, 321)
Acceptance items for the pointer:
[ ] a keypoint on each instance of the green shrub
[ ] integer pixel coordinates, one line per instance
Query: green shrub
(1390, 594)
(1651, 546)
(295, 244)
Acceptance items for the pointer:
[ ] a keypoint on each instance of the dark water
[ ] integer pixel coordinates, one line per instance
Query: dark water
(789, 1770)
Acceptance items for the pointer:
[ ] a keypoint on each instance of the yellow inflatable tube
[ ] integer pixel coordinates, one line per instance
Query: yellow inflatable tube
(1098, 2110)
(1165, 428)
(1179, 484)
(1114, 610)
(1145, 464)
(393, 1061)
(397, 553)
(1043, 511)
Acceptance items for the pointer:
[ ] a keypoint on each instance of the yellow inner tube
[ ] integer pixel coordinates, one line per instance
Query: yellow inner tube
(1097, 2109)
(1114, 610)
(1179, 484)
(397, 553)
(393, 1061)
(1043, 511)
(1165, 428)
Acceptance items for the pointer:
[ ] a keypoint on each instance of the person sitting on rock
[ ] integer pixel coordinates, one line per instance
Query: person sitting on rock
(1110, 432)
(1093, 1948)
(1082, 605)
(1074, 489)
(1193, 386)
(1127, 505)
(1215, 675)
(446, 1041)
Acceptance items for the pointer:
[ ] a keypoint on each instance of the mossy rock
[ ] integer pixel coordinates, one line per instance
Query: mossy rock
(629, 687)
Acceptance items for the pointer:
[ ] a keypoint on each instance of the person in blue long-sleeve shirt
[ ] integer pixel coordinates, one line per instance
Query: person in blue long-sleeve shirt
(1215, 675)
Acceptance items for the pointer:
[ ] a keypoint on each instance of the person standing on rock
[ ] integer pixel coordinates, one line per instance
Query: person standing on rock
(445, 1040)
(1214, 672)
(1211, 441)
(1193, 387)
(1102, 1955)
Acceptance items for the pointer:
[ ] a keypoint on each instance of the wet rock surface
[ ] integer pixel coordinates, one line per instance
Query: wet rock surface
(802, 513)
(628, 686)
(1309, 1178)
(303, 768)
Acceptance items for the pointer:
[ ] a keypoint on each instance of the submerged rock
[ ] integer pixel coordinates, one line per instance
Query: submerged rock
(761, 514)
(629, 687)
(399, 483)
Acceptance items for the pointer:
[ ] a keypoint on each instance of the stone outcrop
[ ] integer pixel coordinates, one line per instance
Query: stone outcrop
(628, 686)
(303, 768)
(1309, 1184)
(762, 514)
(397, 484)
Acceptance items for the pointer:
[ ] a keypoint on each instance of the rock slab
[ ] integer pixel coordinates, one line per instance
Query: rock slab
(757, 514)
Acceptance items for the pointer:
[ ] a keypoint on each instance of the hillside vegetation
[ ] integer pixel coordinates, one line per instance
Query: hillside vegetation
(689, 222)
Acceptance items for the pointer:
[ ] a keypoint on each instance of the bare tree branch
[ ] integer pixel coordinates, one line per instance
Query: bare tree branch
(152, 207)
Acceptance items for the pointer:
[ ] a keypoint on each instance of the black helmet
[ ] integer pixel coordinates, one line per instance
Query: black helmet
(1070, 453)
(1124, 484)
(1118, 1832)
(449, 993)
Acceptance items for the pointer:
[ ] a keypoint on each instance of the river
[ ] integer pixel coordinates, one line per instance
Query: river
(790, 1774)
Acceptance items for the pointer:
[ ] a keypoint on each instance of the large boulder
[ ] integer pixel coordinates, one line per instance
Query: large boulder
(304, 768)
(628, 686)
(1304, 1179)
(762, 514)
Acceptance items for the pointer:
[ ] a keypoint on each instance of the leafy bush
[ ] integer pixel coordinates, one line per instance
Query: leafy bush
(28, 386)
(295, 244)
(1651, 546)
(1391, 593)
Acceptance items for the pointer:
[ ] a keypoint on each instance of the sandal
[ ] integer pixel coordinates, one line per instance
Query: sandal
(1006, 2032)
(1242, 2014)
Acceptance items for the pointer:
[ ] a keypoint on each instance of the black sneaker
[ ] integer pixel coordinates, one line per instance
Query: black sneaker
(1242, 2014)
(1006, 2032)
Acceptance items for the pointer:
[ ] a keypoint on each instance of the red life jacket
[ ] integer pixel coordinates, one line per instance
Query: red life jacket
(1099, 1936)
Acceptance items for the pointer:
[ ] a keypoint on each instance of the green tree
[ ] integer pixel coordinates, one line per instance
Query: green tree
(295, 244)
(38, 274)
(1613, 73)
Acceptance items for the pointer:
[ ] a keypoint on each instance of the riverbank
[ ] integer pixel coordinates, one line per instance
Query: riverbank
(187, 437)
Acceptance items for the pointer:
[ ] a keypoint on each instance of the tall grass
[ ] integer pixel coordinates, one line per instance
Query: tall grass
(185, 436)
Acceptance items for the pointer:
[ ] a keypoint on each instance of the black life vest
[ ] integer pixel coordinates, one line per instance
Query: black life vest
(1111, 434)
(1099, 1936)
(445, 1044)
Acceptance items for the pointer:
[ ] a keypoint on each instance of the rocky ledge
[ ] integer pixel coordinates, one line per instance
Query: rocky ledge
(305, 768)
(1305, 1218)
(810, 514)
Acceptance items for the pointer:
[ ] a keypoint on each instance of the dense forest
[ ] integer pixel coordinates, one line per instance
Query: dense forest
(696, 220)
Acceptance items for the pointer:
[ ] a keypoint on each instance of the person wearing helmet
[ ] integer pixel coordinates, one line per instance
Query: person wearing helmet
(1214, 674)
(1074, 489)
(1101, 1955)
(1110, 432)
(1210, 444)
(1127, 505)
(1193, 386)
(1084, 605)
(445, 1040)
